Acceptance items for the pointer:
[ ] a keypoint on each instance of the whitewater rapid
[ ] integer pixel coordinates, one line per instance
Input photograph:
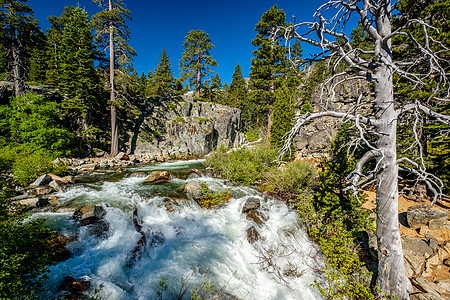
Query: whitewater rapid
(183, 242)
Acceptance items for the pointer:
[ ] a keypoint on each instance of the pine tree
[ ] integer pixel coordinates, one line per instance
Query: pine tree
(163, 76)
(237, 94)
(268, 65)
(436, 149)
(197, 60)
(20, 30)
(283, 115)
(38, 65)
(112, 31)
(54, 36)
(79, 79)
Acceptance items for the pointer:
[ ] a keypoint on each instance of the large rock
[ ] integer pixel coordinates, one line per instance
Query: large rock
(158, 177)
(193, 189)
(75, 288)
(32, 202)
(438, 230)
(41, 181)
(89, 214)
(426, 286)
(250, 204)
(185, 128)
(420, 215)
(415, 252)
(57, 185)
(122, 156)
(40, 191)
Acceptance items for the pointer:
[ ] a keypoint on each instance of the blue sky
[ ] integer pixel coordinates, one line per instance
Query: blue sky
(164, 24)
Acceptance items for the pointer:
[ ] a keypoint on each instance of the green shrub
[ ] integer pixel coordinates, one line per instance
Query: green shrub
(246, 166)
(294, 178)
(344, 275)
(25, 251)
(210, 199)
(28, 167)
(252, 134)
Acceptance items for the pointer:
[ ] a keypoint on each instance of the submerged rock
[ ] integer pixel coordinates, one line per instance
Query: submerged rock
(89, 214)
(253, 235)
(251, 204)
(255, 216)
(158, 177)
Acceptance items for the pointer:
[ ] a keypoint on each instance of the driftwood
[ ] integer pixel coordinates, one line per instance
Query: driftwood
(135, 255)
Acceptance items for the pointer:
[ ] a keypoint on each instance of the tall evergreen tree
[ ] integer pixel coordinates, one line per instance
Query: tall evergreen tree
(267, 66)
(163, 75)
(112, 31)
(79, 79)
(20, 29)
(283, 115)
(237, 95)
(54, 37)
(197, 60)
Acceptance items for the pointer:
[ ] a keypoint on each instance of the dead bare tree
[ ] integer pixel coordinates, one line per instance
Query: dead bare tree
(377, 67)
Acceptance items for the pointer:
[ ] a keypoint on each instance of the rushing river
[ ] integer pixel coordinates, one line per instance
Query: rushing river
(184, 242)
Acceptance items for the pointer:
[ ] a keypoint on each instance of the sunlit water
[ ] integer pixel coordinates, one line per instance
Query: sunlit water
(189, 243)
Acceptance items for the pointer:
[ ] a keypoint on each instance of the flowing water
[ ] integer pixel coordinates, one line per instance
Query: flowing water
(185, 243)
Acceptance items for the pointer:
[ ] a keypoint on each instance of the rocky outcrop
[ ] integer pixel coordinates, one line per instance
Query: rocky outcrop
(185, 127)
(420, 215)
(315, 137)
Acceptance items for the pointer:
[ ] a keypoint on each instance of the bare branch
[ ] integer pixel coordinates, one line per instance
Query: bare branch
(432, 182)
(444, 119)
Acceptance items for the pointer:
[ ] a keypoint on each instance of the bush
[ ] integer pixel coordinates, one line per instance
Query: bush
(343, 275)
(294, 178)
(25, 251)
(246, 166)
(210, 199)
(28, 167)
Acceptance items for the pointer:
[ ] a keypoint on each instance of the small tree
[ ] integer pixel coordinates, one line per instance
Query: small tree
(283, 115)
(377, 124)
(197, 60)
(163, 78)
(237, 90)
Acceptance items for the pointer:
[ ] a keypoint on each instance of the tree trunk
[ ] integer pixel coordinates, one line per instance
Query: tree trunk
(269, 123)
(114, 124)
(391, 280)
(85, 126)
(17, 72)
(199, 78)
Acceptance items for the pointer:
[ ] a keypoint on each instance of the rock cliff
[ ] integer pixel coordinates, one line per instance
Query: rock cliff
(184, 128)
(315, 138)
